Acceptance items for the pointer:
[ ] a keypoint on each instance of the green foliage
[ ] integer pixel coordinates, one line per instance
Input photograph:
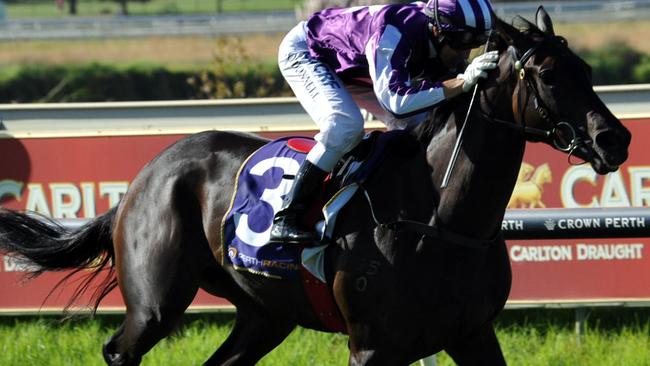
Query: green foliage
(99, 82)
(613, 63)
(92, 83)
(235, 75)
(642, 70)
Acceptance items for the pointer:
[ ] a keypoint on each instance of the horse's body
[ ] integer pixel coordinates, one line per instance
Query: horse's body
(403, 295)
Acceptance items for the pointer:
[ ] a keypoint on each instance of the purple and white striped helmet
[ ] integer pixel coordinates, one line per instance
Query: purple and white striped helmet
(455, 15)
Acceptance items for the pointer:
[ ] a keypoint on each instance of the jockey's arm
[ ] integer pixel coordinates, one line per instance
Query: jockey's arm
(452, 87)
(404, 97)
(392, 82)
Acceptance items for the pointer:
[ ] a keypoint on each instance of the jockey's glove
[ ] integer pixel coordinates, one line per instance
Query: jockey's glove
(478, 69)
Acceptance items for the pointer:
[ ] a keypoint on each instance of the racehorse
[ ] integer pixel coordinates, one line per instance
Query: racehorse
(414, 268)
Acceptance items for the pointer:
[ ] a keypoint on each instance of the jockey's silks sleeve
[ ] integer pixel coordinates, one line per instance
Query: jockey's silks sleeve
(388, 58)
(388, 44)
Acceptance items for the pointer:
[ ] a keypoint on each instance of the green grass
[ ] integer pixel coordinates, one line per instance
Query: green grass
(48, 9)
(529, 338)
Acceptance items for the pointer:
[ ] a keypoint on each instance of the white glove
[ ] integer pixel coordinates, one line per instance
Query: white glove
(477, 69)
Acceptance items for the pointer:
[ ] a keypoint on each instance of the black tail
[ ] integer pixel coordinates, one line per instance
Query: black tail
(51, 247)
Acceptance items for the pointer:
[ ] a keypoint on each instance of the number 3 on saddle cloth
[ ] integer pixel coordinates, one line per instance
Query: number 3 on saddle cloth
(262, 182)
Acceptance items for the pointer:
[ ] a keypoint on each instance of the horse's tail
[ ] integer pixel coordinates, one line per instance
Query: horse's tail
(48, 246)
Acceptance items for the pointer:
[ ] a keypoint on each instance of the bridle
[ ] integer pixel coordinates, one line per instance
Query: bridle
(557, 128)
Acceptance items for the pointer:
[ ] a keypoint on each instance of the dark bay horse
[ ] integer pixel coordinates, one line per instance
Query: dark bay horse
(406, 290)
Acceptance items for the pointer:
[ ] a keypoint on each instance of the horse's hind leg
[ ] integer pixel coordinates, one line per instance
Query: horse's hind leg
(158, 268)
(481, 349)
(254, 335)
(150, 318)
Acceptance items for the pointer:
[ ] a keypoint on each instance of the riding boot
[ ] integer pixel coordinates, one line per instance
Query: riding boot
(287, 223)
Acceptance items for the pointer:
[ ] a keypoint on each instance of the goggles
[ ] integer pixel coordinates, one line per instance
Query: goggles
(465, 40)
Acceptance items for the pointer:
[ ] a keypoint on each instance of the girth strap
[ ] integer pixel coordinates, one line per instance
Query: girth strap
(439, 232)
(433, 231)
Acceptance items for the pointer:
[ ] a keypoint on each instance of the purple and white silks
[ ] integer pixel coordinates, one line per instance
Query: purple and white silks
(344, 59)
(390, 44)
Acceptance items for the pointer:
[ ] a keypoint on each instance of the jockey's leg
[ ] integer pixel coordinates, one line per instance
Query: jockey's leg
(287, 225)
(325, 98)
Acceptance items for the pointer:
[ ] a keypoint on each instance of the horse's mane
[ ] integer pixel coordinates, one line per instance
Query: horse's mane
(438, 117)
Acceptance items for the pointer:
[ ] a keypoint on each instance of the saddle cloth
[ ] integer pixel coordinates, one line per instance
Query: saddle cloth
(263, 181)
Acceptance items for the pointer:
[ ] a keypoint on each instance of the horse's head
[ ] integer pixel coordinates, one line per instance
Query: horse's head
(553, 100)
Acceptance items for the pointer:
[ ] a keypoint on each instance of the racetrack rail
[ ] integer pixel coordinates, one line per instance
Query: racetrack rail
(185, 117)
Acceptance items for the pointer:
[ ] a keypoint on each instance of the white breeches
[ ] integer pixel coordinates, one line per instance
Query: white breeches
(324, 97)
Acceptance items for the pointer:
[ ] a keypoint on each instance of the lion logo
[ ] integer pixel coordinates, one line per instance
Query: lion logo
(529, 188)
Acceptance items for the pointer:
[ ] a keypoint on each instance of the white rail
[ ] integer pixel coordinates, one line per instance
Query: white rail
(184, 117)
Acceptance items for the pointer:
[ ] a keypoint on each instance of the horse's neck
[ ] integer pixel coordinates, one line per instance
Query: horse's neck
(482, 181)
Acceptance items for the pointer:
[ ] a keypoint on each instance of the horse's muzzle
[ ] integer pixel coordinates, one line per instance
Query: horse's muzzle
(610, 142)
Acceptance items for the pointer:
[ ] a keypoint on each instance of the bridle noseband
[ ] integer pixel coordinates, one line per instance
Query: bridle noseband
(556, 128)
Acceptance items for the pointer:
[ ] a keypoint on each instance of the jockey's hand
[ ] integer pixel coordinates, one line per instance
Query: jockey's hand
(478, 69)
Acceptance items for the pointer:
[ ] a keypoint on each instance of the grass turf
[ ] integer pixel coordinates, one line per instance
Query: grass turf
(528, 338)
(48, 9)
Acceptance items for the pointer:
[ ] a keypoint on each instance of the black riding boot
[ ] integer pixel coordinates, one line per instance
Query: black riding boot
(287, 223)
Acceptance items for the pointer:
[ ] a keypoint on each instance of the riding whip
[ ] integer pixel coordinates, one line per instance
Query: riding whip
(459, 139)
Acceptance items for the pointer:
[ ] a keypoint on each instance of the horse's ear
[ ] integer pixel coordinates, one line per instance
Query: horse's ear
(544, 22)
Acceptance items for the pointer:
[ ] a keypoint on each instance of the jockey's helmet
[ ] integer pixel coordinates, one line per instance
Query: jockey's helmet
(463, 24)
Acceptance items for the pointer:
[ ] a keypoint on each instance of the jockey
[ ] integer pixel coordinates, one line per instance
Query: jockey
(396, 61)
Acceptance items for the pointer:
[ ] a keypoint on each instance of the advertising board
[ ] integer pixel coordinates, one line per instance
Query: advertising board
(81, 177)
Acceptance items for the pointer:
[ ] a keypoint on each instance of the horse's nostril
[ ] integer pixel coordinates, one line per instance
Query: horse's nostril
(613, 144)
(611, 140)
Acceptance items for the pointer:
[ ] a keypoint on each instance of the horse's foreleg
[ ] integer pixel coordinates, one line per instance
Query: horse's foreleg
(254, 335)
(481, 349)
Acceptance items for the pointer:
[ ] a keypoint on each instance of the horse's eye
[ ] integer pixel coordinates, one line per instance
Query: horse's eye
(547, 77)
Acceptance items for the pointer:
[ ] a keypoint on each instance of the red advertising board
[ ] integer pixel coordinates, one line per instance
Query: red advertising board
(83, 176)
(581, 270)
